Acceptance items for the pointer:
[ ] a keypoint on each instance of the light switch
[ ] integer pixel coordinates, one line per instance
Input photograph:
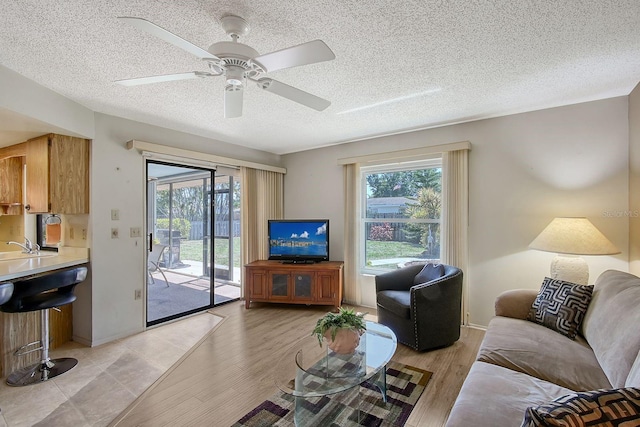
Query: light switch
(115, 214)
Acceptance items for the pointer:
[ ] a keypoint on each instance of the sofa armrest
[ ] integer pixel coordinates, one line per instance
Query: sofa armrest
(515, 303)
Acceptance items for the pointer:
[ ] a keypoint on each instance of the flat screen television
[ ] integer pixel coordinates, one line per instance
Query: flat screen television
(299, 240)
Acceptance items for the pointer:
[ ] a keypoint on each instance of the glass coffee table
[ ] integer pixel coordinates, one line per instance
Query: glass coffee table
(310, 372)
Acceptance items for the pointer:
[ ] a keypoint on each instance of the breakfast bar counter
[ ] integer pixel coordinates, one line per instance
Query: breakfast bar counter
(17, 329)
(15, 267)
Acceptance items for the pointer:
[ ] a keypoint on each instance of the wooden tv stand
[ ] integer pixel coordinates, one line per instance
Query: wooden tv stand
(312, 284)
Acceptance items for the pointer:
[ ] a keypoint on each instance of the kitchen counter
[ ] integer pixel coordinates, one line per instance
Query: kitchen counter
(66, 257)
(17, 329)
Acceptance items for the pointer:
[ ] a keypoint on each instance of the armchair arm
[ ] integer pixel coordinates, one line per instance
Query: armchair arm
(515, 303)
(397, 280)
(436, 309)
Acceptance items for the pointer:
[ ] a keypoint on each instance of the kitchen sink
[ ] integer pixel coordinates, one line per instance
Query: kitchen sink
(8, 256)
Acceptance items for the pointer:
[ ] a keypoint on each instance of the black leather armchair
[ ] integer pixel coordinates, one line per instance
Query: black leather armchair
(423, 316)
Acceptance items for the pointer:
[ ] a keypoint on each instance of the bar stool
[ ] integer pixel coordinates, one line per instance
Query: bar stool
(41, 293)
(6, 290)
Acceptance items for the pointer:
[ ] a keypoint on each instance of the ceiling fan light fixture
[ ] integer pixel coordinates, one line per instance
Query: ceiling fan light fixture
(234, 75)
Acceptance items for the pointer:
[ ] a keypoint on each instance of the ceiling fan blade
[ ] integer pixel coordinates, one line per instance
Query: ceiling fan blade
(302, 54)
(168, 36)
(294, 94)
(163, 78)
(232, 101)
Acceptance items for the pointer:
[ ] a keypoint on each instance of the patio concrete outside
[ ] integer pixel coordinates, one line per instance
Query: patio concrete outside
(188, 289)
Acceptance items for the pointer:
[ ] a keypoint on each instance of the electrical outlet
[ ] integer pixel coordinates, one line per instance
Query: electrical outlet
(114, 233)
(137, 294)
(115, 214)
(135, 232)
(84, 234)
(72, 233)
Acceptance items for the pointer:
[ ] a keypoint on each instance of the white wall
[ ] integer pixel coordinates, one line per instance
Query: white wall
(634, 181)
(118, 182)
(57, 113)
(525, 170)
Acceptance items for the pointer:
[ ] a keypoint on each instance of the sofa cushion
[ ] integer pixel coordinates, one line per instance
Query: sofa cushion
(493, 396)
(560, 306)
(611, 324)
(428, 273)
(397, 302)
(609, 407)
(530, 348)
(633, 380)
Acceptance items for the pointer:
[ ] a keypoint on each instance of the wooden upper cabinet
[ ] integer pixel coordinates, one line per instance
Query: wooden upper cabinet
(11, 186)
(57, 175)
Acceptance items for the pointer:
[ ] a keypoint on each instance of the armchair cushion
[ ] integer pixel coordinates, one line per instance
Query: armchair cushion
(428, 273)
(397, 302)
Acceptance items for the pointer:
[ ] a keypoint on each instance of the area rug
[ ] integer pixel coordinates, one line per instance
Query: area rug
(405, 384)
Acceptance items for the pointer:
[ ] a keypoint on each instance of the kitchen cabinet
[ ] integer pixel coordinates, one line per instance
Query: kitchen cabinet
(11, 188)
(311, 284)
(57, 177)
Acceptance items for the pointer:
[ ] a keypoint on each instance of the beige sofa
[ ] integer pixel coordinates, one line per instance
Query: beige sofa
(522, 364)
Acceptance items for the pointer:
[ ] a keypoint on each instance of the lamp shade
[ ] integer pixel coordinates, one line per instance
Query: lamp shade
(575, 236)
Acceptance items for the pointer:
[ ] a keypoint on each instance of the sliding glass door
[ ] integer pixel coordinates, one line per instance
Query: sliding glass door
(226, 235)
(179, 226)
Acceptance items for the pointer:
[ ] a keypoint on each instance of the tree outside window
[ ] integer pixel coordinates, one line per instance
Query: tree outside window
(402, 214)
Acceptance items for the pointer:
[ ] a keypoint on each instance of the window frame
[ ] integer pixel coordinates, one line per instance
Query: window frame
(430, 162)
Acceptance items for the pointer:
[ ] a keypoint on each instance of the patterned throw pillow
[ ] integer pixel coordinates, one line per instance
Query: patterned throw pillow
(561, 306)
(428, 273)
(602, 408)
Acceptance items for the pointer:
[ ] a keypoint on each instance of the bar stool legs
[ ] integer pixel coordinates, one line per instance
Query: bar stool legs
(47, 368)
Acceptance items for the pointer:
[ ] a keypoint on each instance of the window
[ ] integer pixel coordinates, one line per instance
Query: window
(401, 214)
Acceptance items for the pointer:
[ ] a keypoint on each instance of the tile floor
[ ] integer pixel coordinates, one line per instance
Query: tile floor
(106, 380)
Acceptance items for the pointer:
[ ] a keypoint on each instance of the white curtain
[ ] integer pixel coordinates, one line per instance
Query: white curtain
(455, 215)
(262, 198)
(352, 293)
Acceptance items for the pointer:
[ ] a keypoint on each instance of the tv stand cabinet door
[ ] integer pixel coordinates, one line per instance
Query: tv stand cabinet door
(304, 286)
(279, 286)
(327, 287)
(257, 285)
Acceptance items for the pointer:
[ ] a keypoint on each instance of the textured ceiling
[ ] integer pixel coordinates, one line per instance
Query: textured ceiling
(400, 65)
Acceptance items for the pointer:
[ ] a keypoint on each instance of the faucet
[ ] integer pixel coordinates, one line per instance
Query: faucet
(28, 247)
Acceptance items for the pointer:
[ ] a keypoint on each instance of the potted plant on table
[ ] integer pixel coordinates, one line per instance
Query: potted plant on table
(342, 330)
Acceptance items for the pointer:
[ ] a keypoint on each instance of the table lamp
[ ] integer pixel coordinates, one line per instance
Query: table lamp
(569, 238)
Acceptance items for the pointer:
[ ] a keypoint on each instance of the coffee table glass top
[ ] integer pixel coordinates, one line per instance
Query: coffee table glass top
(310, 370)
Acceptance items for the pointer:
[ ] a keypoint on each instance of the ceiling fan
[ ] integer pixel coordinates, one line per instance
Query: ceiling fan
(238, 63)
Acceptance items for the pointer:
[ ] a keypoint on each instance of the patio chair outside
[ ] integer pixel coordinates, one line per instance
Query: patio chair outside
(153, 262)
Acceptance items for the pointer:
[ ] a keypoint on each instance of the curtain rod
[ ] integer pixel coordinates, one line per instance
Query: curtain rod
(406, 154)
(150, 147)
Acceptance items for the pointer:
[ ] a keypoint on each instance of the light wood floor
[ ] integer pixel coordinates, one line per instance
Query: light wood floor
(230, 372)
